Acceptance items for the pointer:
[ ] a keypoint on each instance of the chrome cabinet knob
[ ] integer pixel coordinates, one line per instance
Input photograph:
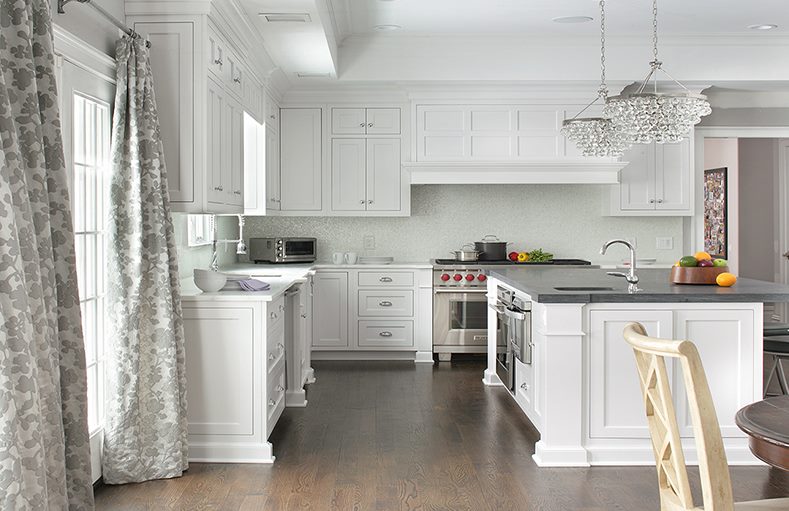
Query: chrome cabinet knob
(369, 202)
(304, 316)
(280, 346)
(280, 388)
(370, 125)
(218, 62)
(361, 125)
(361, 202)
(271, 356)
(525, 386)
(271, 402)
(660, 201)
(651, 201)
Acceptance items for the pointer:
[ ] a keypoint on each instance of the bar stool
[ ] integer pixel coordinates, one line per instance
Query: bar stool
(777, 347)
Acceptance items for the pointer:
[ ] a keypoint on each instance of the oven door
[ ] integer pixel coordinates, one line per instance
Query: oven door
(460, 319)
(299, 250)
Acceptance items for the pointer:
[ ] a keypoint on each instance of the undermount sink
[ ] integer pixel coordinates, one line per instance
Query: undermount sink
(584, 288)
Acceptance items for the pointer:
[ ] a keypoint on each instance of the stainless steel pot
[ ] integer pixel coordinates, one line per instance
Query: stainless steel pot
(491, 248)
(466, 254)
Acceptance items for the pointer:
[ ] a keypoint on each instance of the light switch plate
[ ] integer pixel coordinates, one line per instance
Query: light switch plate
(369, 242)
(664, 243)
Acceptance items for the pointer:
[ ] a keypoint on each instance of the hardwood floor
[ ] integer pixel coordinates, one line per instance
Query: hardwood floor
(395, 436)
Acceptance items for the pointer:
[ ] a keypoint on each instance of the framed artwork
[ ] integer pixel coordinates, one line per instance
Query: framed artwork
(716, 220)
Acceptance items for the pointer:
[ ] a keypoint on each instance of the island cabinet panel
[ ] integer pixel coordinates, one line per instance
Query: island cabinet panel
(220, 370)
(330, 310)
(725, 340)
(616, 406)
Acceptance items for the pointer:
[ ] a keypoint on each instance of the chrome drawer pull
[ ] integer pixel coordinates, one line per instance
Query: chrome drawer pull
(385, 304)
(385, 279)
(385, 334)
(271, 402)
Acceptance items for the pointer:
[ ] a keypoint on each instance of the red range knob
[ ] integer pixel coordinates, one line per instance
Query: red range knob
(482, 278)
(470, 277)
(445, 277)
(458, 277)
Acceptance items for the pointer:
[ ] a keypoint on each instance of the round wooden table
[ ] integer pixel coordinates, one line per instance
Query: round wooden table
(767, 424)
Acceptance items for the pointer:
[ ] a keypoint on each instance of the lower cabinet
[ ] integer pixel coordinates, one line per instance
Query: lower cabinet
(235, 371)
(372, 310)
(725, 340)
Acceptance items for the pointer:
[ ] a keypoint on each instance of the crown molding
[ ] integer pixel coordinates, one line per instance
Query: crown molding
(82, 54)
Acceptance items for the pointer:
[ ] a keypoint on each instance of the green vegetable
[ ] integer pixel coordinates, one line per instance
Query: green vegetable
(538, 256)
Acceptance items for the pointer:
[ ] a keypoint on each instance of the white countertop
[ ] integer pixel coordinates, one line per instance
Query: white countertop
(280, 277)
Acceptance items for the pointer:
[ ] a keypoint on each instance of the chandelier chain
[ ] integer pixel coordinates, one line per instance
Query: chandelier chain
(603, 89)
(655, 30)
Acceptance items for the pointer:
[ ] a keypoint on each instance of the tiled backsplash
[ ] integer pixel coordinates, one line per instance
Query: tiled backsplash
(563, 219)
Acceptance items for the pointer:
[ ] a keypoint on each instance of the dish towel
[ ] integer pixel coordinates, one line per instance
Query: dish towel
(253, 285)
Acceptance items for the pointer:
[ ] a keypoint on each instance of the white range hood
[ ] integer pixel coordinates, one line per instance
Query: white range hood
(547, 171)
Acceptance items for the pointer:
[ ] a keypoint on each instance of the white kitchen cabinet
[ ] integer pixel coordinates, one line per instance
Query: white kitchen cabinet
(366, 174)
(348, 174)
(298, 341)
(367, 313)
(202, 89)
(330, 310)
(658, 181)
(489, 132)
(300, 159)
(254, 167)
(235, 372)
(272, 192)
(616, 408)
(369, 121)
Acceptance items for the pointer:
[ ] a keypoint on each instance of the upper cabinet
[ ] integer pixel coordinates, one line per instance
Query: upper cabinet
(300, 159)
(489, 132)
(366, 174)
(203, 89)
(658, 181)
(365, 121)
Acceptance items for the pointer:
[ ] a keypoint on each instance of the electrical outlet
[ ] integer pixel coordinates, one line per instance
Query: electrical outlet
(369, 242)
(664, 243)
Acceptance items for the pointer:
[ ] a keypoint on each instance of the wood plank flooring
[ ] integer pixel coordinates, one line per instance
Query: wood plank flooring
(398, 436)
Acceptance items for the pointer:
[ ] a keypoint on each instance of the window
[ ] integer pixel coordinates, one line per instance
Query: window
(90, 192)
(200, 230)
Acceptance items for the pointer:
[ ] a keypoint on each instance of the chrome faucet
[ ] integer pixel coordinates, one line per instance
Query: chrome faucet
(241, 246)
(630, 277)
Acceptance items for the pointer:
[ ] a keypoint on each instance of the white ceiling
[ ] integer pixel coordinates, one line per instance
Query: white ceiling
(533, 17)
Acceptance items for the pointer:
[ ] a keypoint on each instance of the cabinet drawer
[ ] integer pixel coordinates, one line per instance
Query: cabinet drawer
(386, 303)
(276, 312)
(275, 352)
(386, 334)
(386, 279)
(275, 399)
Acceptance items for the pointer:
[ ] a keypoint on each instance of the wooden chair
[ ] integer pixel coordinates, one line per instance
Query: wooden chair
(675, 493)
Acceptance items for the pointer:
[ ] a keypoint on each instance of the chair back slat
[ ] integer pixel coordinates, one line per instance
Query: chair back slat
(675, 495)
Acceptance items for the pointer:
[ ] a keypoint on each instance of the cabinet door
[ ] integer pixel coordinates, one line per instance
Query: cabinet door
(538, 133)
(348, 121)
(330, 310)
(442, 133)
(236, 129)
(216, 143)
(220, 370)
(383, 121)
(637, 180)
(383, 174)
(300, 159)
(725, 341)
(254, 167)
(172, 66)
(616, 405)
(673, 175)
(348, 163)
(272, 169)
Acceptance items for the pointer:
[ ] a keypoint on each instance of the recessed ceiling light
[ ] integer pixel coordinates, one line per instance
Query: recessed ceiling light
(763, 26)
(572, 19)
(387, 28)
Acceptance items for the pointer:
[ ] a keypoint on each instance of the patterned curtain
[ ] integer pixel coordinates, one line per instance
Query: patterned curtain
(145, 433)
(44, 443)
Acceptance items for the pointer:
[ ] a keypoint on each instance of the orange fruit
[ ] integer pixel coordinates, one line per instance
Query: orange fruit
(702, 256)
(726, 279)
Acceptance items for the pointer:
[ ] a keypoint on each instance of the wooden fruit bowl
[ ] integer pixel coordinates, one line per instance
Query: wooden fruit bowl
(698, 275)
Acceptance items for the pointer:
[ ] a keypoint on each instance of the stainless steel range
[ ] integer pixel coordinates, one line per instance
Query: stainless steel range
(460, 305)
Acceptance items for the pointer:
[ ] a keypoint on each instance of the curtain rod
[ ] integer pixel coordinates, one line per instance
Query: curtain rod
(115, 21)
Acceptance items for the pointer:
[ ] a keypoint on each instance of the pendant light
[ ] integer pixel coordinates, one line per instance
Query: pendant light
(596, 136)
(646, 116)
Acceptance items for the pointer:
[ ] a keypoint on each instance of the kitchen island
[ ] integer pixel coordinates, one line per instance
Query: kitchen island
(581, 388)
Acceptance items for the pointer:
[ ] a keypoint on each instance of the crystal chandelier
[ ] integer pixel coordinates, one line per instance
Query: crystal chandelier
(596, 136)
(650, 116)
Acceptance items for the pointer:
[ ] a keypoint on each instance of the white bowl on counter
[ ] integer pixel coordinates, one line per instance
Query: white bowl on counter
(209, 281)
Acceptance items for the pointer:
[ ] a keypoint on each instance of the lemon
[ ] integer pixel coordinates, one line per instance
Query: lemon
(726, 279)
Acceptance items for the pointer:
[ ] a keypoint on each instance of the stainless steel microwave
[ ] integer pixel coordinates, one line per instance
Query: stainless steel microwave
(283, 250)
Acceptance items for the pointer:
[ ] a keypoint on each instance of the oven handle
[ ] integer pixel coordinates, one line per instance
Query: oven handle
(457, 291)
(518, 316)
